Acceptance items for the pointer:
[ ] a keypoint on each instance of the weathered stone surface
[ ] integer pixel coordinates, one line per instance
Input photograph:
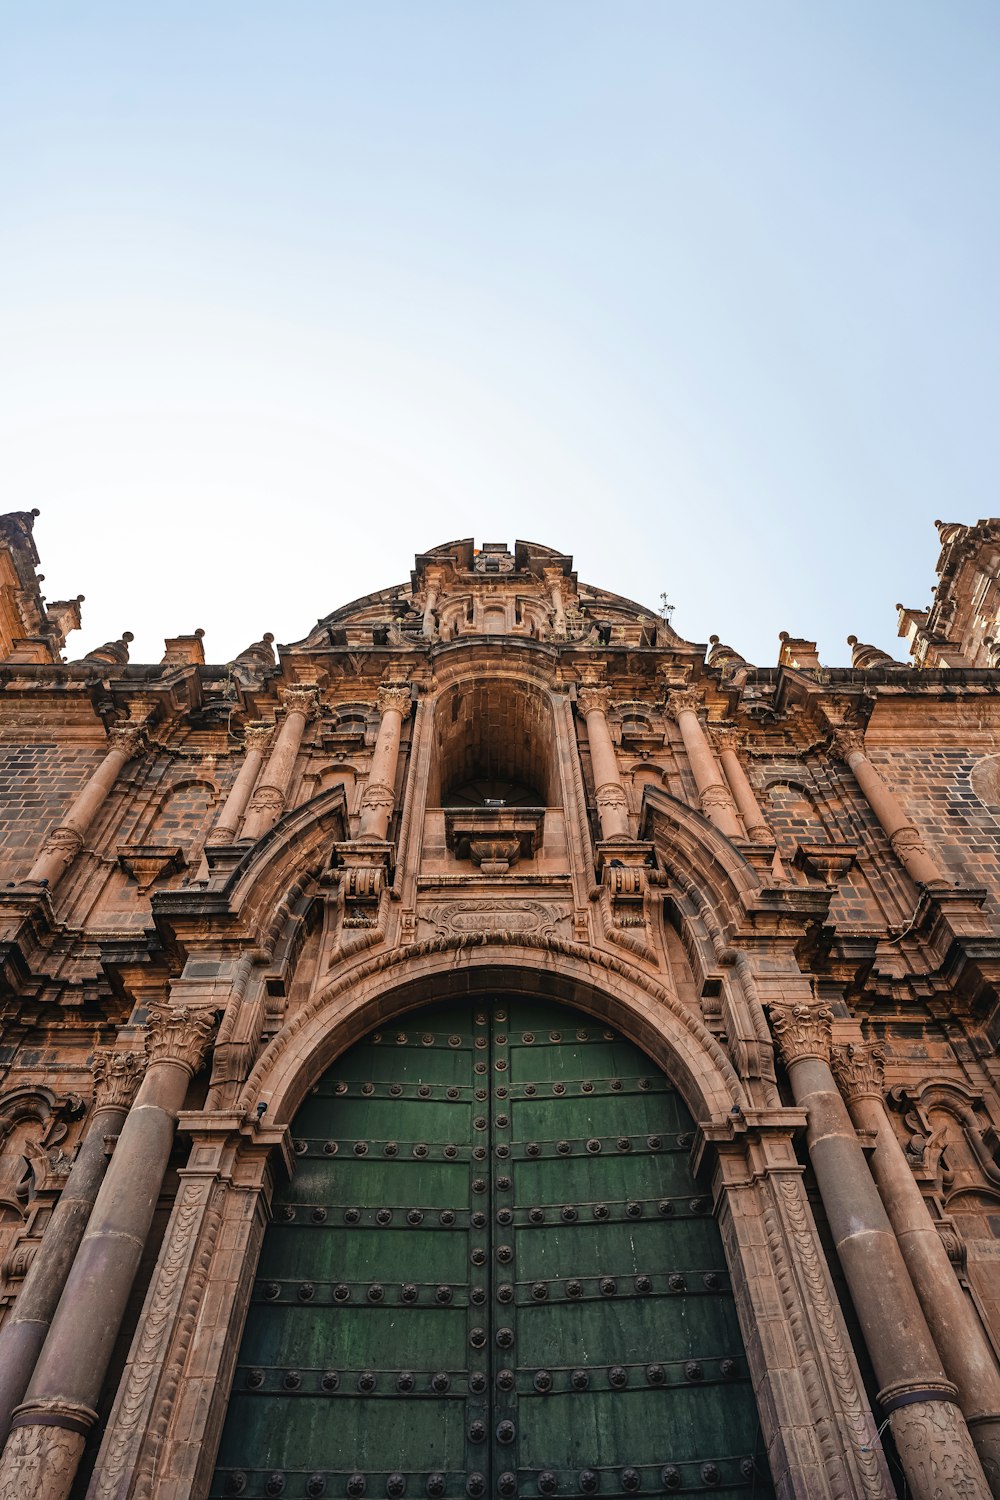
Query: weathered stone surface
(753, 873)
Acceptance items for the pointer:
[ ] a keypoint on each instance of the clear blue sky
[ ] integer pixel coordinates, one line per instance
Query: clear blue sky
(705, 293)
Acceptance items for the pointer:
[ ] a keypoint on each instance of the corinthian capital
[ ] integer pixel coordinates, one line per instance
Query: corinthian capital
(802, 1031)
(847, 740)
(299, 700)
(726, 739)
(117, 1076)
(127, 739)
(394, 696)
(859, 1069)
(592, 699)
(257, 737)
(683, 701)
(180, 1034)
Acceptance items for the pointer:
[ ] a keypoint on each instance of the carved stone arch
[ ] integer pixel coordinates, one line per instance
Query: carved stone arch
(251, 901)
(643, 1009)
(33, 1120)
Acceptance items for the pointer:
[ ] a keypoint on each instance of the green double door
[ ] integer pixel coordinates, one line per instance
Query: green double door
(492, 1274)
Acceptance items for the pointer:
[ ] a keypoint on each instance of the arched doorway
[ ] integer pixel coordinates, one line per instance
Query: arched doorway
(492, 1273)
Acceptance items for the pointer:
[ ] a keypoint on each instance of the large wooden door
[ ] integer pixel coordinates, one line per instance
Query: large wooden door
(492, 1274)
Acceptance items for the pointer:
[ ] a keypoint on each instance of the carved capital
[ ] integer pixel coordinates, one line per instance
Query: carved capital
(802, 1031)
(847, 741)
(592, 699)
(180, 1034)
(683, 701)
(64, 843)
(257, 737)
(117, 1076)
(726, 739)
(394, 697)
(611, 794)
(128, 739)
(859, 1069)
(299, 700)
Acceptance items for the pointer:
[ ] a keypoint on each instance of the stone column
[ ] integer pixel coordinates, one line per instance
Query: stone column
(713, 794)
(116, 1076)
(432, 592)
(554, 580)
(931, 1436)
(227, 826)
(906, 842)
(380, 794)
(63, 843)
(957, 1331)
(49, 1429)
(268, 800)
(726, 742)
(609, 790)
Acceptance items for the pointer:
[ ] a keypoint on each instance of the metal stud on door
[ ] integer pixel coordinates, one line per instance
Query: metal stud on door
(491, 1273)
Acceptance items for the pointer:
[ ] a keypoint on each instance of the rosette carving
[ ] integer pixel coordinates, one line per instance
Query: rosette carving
(802, 1031)
(859, 1069)
(180, 1034)
(117, 1076)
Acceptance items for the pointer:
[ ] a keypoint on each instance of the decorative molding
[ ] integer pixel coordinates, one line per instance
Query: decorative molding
(859, 1069)
(163, 1338)
(906, 843)
(788, 1223)
(148, 863)
(63, 842)
(117, 1076)
(802, 1031)
(492, 917)
(179, 1034)
(379, 794)
(266, 799)
(383, 964)
(611, 794)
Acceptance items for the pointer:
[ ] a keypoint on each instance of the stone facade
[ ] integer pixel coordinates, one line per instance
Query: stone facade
(782, 883)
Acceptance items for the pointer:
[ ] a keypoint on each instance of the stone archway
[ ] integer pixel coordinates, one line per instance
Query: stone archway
(164, 1430)
(493, 1272)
